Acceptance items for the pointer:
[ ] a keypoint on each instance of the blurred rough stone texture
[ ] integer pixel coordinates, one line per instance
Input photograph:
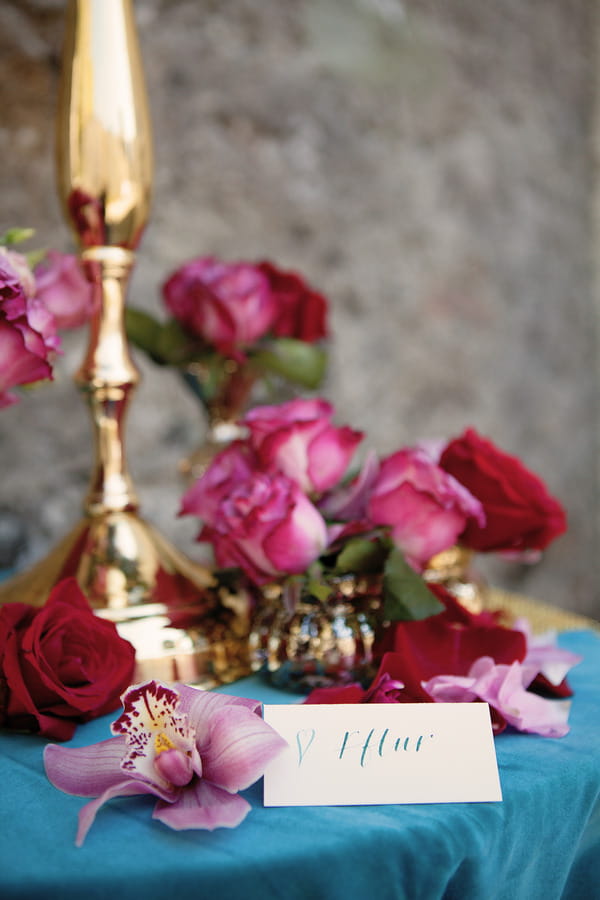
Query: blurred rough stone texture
(427, 165)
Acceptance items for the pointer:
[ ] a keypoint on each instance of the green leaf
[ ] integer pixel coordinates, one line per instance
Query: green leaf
(16, 236)
(360, 555)
(174, 345)
(35, 257)
(405, 594)
(319, 589)
(294, 360)
(143, 331)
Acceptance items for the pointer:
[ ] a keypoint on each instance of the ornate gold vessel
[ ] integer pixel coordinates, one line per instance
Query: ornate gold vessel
(161, 601)
(453, 569)
(328, 639)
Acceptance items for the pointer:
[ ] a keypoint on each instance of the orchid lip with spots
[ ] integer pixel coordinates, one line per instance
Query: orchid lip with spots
(192, 749)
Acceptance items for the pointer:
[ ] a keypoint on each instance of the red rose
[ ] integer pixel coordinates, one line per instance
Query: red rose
(59, 664)
(520, 513)
(302, 311)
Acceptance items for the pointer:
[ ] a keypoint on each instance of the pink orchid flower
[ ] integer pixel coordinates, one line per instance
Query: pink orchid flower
(504, 687)
(192, 749)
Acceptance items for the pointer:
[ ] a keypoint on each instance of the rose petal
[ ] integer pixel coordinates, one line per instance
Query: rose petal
(203, 806)
(349, 693)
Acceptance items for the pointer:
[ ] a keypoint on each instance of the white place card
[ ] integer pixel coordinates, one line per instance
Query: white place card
(360, 754)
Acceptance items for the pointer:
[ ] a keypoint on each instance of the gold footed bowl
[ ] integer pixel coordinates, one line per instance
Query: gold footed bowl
(328, 638)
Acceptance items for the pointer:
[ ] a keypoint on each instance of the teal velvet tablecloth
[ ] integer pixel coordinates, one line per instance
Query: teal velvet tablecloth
(541, 842)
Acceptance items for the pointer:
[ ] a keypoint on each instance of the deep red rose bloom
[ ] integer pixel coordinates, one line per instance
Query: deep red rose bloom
(302, 311)
(520, 513)
(60, 664)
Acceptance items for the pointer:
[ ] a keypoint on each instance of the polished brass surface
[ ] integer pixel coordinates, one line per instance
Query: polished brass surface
(104, 142)
(453, 569)
(222, 410)
(325, 640)
(164, 603)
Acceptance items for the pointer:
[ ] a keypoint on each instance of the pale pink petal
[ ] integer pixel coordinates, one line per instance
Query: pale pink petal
(450, 688)
(85, 771)
(176, 767)
(330, 454)
(239, 747)
(200, 706)
(300, 538)
(504, 688)
(420, 526)
(350, 501)
(544, 656)
(87, 813)
(203, 806)
(288, 449)
(527, 711)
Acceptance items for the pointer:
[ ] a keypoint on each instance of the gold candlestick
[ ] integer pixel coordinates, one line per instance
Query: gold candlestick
(160, 600)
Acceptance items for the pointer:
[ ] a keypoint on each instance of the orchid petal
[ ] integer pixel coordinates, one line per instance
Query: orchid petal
(85, 771)
(152, 717)
(240, 746)
(87, 813)
(203, 806)
(200, 705)
(175, 767)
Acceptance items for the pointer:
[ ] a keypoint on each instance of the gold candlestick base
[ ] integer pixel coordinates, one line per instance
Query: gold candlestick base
(183, 627)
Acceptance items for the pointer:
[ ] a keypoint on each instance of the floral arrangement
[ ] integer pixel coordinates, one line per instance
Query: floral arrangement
(193, 750)
(59, 664)
(280, 504)
(251, 320)
(40, 293)
(460, 656)
(281, 507)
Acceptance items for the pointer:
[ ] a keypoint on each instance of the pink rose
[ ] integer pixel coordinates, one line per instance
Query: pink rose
(64, 290)
(426, 508)
(262, 524)
(27, 337)
(302, 312)
(16, 263)
(297, 438)
(232, 466)
(228, 305)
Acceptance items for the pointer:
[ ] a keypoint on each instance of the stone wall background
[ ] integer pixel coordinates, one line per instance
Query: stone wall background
(427, 165)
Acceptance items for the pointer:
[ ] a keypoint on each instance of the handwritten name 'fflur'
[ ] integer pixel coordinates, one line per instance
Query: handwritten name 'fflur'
(362, 754)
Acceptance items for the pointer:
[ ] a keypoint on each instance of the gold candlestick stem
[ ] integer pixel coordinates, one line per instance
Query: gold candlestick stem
(161, 601)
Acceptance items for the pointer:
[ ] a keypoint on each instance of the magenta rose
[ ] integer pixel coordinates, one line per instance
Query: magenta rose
(64, 290)
(27, 336)
(298, 438)
(302, 312)
(265, 526)
(228, 305)
(520, 513)
(426, 508)
(59, 664)
(232, 466)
